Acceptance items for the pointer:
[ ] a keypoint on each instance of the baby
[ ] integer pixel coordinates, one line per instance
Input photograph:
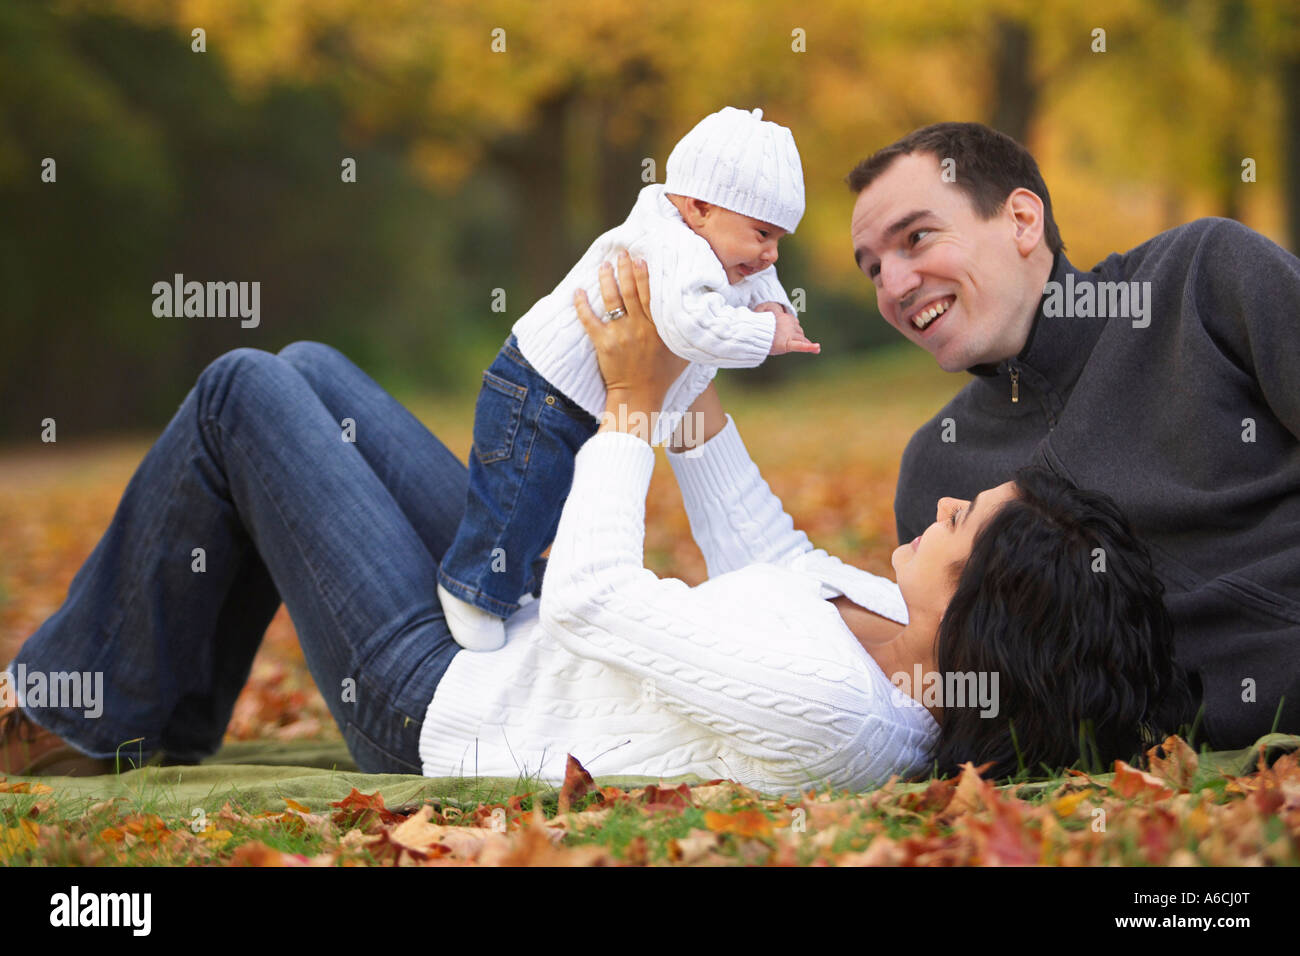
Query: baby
(708, 235)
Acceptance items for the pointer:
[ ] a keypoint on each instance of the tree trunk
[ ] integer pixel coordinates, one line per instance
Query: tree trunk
(1015, 97)
(534, 163)
(1290, 153)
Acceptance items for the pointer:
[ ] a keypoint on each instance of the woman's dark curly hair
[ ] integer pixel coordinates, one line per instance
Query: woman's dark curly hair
(1059, 598)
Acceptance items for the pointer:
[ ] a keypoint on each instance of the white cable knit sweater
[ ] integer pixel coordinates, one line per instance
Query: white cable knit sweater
(700, 316)
(751, 676)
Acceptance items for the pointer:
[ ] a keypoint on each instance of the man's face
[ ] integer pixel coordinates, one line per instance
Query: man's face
(742, 244)
(953, 283)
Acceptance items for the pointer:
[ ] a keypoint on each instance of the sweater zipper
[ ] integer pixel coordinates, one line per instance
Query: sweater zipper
(1015, 383)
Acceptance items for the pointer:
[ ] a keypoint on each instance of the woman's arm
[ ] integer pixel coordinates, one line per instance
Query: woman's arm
(735, 517)
(707, 419)
(734, 660)
(600, 602)
(752, 660)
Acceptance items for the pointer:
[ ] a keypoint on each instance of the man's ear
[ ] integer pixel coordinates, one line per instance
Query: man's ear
(1025, 211)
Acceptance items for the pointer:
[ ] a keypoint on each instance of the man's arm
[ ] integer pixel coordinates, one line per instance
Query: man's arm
(1249, 296)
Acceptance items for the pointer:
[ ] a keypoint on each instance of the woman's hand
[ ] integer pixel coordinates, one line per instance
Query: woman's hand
(634, 362)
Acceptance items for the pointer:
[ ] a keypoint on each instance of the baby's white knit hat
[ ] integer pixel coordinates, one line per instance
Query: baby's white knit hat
(742, 162)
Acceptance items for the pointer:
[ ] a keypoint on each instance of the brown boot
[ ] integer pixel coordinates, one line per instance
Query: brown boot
(29, 750)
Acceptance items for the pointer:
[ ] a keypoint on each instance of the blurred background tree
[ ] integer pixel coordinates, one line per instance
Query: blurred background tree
(482, 169)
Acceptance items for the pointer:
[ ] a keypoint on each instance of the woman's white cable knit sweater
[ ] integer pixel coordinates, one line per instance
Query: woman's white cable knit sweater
(699, 315)
(751, 676)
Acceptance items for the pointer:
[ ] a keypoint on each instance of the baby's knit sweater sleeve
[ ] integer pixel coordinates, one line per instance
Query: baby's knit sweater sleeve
(694, 318)
(766, 287)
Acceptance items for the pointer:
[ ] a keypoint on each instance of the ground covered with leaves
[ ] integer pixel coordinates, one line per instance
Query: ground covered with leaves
(830, 450)
(1169, 815)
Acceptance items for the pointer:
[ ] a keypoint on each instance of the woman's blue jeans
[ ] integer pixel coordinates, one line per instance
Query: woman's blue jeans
(256, 469)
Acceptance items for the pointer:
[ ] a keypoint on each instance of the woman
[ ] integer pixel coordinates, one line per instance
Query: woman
(772, 673)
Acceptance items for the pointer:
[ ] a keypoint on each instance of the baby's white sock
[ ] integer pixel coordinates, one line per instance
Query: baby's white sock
(473, 628)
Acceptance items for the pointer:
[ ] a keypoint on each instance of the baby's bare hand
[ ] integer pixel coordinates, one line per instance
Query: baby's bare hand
(789, 335)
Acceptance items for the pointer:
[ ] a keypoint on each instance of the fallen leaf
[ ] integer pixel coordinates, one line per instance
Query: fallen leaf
(24, 786)
(662, 798)
(1132, 783)
(972, 793)
(359, 809)
(257, 853)
(693, 847)
(745, 823)
(577, 783)
(1178, 765)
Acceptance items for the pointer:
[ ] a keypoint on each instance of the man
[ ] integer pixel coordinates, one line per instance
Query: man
(1167, 377)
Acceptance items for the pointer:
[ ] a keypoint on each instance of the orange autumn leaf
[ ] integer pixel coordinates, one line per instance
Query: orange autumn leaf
(18, 839)
(357, 809)
(696, 845)
(749, 823)
(972, 793)
(24, 786)
(1132, 783)
(1004, 840)
(613, 796)
(417, 834)
(295, 805)
(577, 783)
(1158, 835)
(661, 798)
(1174, 762)
(213, 835)
(541, 845)
(1065, 806)
(516, 802)
(1268, 800)
(258, 853)
(637, 851)
(148, 827)
(936, 796)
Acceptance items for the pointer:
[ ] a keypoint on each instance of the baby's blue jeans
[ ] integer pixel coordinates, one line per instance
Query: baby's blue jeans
(526, 436)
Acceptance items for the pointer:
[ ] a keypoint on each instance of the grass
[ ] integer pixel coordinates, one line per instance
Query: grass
(1217, 818)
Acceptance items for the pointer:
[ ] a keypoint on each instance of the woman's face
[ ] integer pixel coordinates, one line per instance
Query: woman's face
(924, 566)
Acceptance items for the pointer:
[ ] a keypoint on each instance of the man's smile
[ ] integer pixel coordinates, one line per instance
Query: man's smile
(924, 315)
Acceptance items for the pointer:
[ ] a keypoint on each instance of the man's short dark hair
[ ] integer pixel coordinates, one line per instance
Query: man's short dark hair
(988, 164)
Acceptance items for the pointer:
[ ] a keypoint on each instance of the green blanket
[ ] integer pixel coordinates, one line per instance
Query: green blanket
(261, 775)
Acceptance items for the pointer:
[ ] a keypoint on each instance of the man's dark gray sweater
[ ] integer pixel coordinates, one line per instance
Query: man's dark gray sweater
(1192, 425)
